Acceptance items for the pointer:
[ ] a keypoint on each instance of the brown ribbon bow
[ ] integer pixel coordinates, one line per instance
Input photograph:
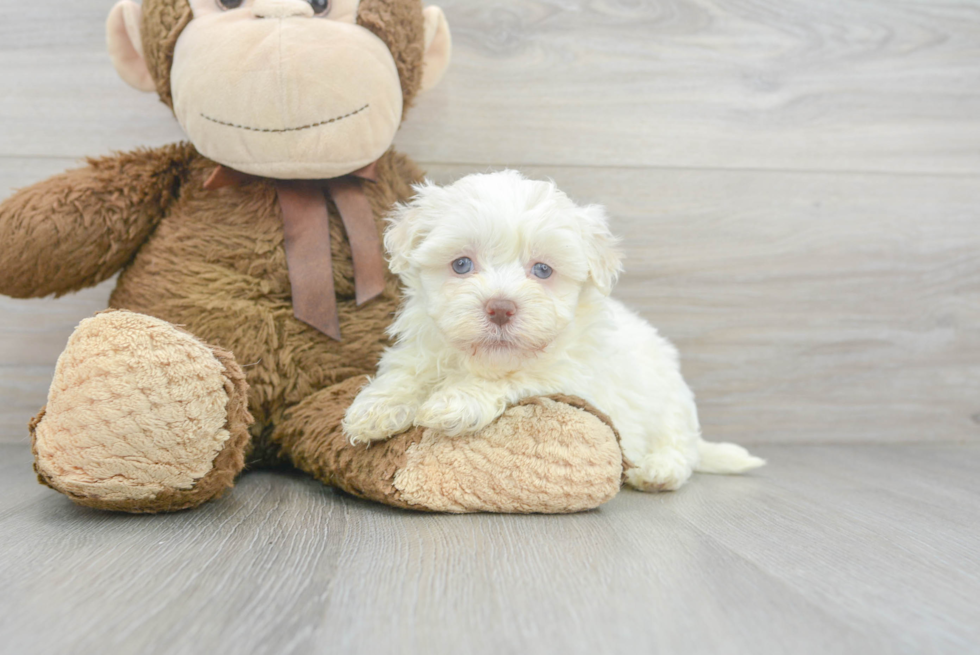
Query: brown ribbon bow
(307, 228)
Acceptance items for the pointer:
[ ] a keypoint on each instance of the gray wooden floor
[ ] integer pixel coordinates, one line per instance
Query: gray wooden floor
(798, 185)
(830, 549)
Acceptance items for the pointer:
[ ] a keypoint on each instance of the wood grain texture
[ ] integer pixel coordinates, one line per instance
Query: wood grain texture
(829, 550)
(807, 307)
(775, 84)
(760, 84)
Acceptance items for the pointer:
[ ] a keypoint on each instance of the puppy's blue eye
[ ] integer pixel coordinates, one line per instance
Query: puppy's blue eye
(542, 271)
(463, 265)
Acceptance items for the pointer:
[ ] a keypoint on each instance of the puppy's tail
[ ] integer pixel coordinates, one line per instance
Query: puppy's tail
(726, 458)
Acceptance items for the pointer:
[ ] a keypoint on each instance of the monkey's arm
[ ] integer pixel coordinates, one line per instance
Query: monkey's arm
(79, 228)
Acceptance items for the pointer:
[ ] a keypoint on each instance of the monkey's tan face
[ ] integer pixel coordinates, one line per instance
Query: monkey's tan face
(276, 89)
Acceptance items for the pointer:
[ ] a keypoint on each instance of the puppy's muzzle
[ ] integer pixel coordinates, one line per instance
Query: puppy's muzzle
(500, 311)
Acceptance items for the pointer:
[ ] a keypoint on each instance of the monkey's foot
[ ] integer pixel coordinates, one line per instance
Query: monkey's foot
(545, 455)
(141, 417)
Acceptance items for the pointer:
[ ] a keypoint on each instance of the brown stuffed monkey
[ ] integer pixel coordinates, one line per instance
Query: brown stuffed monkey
(253, 298)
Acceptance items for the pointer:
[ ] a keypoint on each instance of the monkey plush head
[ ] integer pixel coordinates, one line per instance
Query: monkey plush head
(287, 89)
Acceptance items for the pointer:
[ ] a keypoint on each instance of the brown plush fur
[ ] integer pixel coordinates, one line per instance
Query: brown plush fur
(213, 263)
(217, 266)
(400, 25)
(312, 436)
(163, 21)
(91, 221)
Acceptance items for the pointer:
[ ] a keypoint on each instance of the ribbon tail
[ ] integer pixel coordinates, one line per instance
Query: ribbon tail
(306, 223)
(365, 243)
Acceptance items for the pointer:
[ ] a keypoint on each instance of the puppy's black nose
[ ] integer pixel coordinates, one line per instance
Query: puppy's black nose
(500, 311)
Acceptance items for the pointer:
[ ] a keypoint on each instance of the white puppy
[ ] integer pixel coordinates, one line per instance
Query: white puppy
(506, 296)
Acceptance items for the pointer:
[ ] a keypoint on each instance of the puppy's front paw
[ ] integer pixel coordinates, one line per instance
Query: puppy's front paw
(454, 412)
(374, 419)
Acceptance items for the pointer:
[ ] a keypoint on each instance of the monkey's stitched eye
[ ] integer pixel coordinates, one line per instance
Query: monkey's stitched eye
(542, 271)
(230, 4)
(320, 7)
(463, 265)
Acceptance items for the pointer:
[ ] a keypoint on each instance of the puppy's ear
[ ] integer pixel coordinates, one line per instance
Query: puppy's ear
(605, 260)
(407, 228)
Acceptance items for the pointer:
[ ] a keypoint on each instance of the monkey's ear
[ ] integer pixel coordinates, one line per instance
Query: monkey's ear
(126, 45)
(438, 47)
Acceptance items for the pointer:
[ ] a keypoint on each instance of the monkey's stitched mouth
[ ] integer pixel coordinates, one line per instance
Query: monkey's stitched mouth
(285, 129)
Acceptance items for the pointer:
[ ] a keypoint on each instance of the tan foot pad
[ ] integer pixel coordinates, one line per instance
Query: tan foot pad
(141, 417)
(545, 455)
(548, 455)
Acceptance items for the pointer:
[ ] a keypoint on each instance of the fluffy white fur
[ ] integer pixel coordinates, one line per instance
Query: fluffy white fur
(454, 370)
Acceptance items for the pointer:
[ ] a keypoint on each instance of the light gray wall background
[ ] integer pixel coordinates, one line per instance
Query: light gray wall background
(796, 181)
